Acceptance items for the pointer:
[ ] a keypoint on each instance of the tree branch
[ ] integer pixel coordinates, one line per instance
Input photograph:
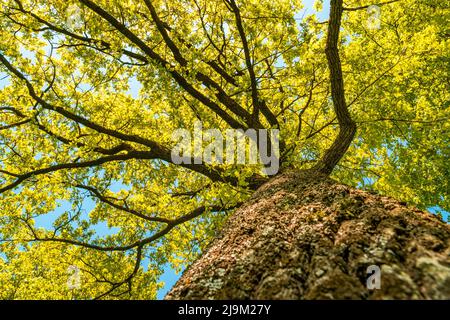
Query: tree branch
(248, 60)
(96, 193)
(140, 243)
(258, 104)
(367, 6)
(347, 127)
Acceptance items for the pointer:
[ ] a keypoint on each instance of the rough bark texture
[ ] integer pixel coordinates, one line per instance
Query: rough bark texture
(304, 236)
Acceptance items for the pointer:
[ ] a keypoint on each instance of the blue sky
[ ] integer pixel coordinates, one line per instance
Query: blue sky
(169, 276)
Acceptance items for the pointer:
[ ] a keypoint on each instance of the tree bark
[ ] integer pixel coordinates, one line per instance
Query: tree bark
(305, 236)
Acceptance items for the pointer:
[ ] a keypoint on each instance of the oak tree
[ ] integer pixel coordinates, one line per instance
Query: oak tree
(91, 91)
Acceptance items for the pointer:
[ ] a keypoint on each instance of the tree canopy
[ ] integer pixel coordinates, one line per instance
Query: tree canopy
(91, 91)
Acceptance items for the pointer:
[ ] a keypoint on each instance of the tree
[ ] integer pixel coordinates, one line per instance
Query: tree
(360, 97)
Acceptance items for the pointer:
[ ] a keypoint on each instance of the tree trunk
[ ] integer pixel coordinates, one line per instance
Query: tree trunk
(305, 236)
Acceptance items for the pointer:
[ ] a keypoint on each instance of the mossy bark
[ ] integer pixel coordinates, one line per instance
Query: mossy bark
(305, 236)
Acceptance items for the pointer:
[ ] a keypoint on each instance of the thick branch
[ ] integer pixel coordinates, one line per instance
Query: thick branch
(248, 61)
(258, 105)
(75, 165)
(347, 127)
